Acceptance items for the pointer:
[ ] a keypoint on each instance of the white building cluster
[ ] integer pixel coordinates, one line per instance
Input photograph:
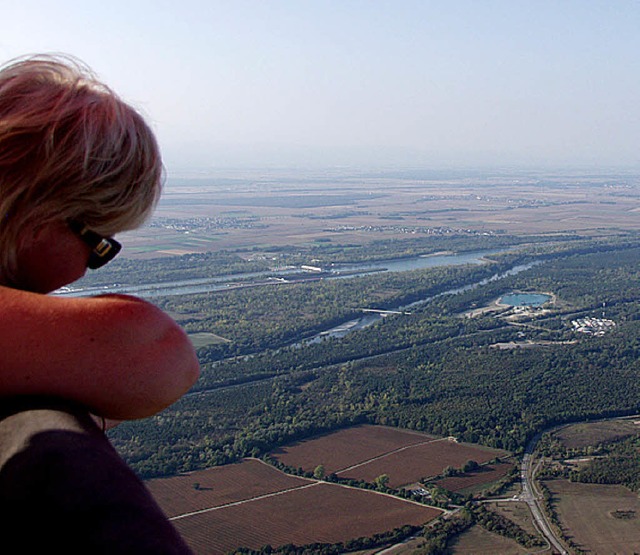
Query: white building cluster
(593, 326)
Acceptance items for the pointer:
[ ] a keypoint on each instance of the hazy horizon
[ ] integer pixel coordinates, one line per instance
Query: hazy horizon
(353, 83)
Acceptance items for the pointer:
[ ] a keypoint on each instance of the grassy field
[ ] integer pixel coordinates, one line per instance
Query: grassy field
(517, 512)
(478, 541)
(590, 514)
(202, 339)
(585, 434)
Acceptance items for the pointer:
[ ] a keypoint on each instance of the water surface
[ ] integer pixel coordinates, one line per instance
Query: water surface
(525, 299)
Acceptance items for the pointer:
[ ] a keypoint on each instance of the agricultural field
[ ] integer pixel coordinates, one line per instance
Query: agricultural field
(220, 485)
(229, 210)
(421, 461)
(252, 504)
(203, 339)
(366, 452)
(584, 434)
(601, 519)
(342, 449)
(471, 481)
(478, 541)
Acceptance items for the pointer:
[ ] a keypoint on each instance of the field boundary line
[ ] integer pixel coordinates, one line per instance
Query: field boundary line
(357, 488)
(398, 450)
(243, 501)
(311, 483)
(391, 495)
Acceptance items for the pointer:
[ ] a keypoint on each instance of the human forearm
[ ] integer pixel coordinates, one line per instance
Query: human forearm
(149, 361)
(121, 357)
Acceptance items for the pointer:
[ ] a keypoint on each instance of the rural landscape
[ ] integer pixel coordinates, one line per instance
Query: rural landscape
(396, 361)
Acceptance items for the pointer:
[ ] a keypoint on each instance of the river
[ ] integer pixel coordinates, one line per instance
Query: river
(338, 271)
(371, 318)
(234, 281)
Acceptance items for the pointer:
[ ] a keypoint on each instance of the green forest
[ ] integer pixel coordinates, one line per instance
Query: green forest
(434, 370)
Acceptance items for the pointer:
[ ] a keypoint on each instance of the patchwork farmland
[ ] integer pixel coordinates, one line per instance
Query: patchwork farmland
(366, 452)
(252, 504)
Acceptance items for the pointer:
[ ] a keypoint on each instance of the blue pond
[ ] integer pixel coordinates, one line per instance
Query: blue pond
(525, 299)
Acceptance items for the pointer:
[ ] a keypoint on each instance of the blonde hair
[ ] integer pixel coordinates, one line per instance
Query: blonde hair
(70, 148)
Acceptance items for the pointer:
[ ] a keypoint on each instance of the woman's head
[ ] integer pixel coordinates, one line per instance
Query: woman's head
(70, 149)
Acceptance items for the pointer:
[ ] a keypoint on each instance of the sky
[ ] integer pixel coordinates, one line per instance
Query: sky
(360, 83)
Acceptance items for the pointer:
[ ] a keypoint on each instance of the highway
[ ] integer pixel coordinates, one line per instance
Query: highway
(532, 497)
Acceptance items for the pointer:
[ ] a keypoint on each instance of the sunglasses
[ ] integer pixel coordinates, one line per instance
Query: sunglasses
(103, 249)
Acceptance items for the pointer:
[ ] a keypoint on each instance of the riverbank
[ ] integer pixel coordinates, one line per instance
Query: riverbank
(226, 282)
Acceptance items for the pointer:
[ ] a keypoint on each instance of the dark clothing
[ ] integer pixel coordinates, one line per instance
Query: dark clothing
(64, 488)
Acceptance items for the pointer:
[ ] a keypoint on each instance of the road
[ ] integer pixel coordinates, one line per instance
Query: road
(532, 497)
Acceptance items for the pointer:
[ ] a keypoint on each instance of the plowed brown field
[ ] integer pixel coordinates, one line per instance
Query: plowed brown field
(252, 504)
(344, 448)
(366, 452)
(420, 461)
(219, 486)
(322, 512)
(487, 475)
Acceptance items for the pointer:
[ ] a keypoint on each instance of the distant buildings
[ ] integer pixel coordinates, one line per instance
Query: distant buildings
(411, 230)
(593, 326)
